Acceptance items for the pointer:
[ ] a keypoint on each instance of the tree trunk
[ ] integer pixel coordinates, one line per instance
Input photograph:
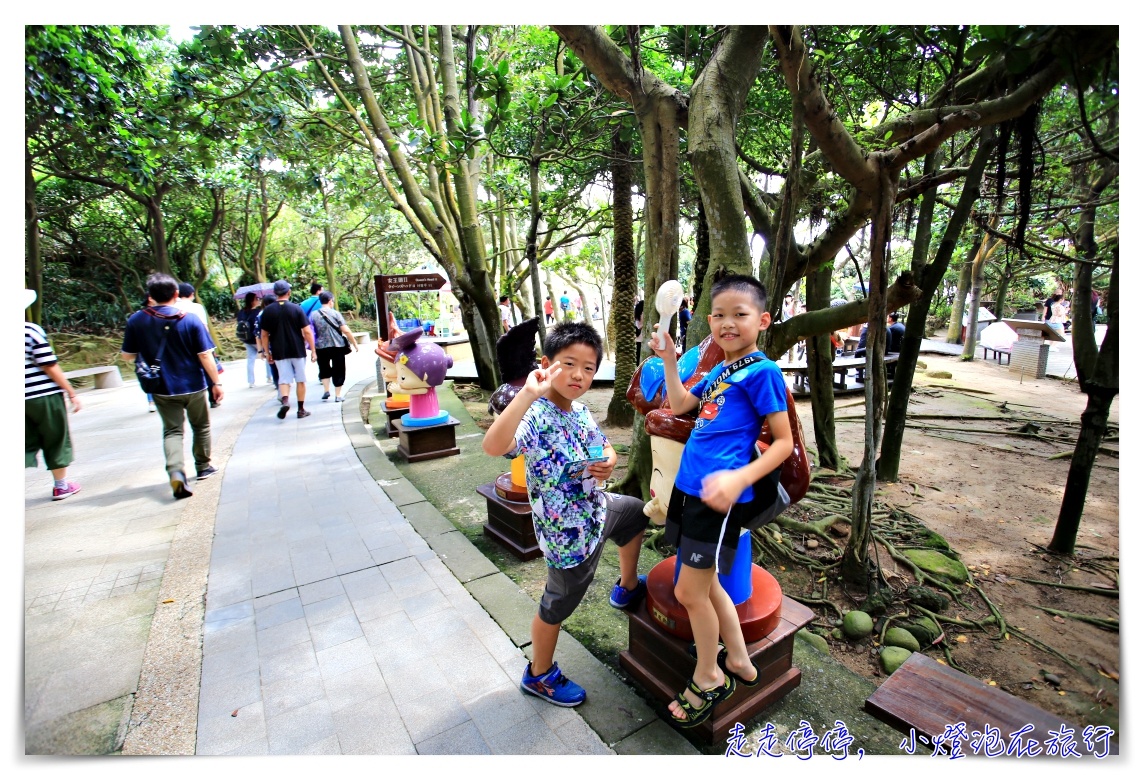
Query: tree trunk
(34, 263)
(855, 558)
(1003, 291)
(973, 300)
(533, 229)
(964, 281)
(702, 260)
(929, 279)
(819, 364)
(329, 249)
(154, 206)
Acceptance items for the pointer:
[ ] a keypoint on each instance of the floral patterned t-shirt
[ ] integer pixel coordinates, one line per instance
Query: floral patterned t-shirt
(568, 515)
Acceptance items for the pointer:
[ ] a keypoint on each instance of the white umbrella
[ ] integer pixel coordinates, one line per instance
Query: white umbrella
(998, 336)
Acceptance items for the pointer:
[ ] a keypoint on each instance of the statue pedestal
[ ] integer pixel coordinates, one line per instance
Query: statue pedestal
(425, 442)
(391, 415)
(510, 523)
(659, 660)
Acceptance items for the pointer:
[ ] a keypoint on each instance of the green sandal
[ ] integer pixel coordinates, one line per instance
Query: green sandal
(711, 697)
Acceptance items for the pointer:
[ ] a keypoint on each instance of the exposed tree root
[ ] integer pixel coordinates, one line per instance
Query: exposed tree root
(1108, 624)
(1109, 592)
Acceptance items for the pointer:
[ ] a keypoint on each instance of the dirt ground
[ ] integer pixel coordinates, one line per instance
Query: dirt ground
(995, 499)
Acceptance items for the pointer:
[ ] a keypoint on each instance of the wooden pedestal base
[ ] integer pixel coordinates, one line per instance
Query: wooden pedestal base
(510, 523)
(391, 415)
(661, 664)
(427, 441)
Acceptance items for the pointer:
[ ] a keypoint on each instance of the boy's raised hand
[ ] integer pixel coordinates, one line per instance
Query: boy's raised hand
(539, 380)
(668, 351)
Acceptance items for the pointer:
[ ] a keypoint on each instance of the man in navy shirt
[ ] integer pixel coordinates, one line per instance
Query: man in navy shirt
(187, 362)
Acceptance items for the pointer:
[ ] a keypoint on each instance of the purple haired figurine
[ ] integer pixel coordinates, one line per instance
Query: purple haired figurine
(421, 367)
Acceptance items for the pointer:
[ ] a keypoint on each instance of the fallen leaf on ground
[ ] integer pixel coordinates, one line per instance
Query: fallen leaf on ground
(962, 638)
(1058, 619)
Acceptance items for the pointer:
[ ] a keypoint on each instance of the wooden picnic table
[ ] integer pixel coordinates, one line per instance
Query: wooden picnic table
(841, 369)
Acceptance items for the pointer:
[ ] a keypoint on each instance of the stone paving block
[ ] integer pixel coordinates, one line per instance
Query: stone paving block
(372, 727)
(462, 740)
(400, 569)
(222, 696)
(422, 604)
(529, 738)
(263, 582)
(426, 519)
(219, 666)
(394, 655)
(391, 553)
(441, 627)
(612, 709)
(581, 740)
(292, 692)
(507, 604)
(364, 583)
(225, 594)
(269, 600)
(257, 747)
(221, 638)
(499, 709)
(218, 735)
(328, 609)
(400, 491)
(391, 627)
(350, 556)
(474, 675)
(354, 686)
(287, 663)
(334, 632)
(429, 715)
(330, 746)
(320, 590)
(222, 617)
(375, 462)
(655, 739)
(345, 656)
(293, 731)
(414, 585)
(280, 612)
(377, 534)
(461, 557)
(415, 678)
(377, 606)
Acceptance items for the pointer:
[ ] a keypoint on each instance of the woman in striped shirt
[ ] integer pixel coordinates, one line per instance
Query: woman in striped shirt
(45, 414)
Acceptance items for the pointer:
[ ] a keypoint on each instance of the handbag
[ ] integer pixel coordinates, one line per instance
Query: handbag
(151, 375)
(345, 344)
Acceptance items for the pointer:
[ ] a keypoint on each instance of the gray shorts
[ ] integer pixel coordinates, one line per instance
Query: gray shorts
(566, 587)
(291, 370)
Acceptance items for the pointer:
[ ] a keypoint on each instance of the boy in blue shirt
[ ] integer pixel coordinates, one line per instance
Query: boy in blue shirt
(571, 515)
(717, 480)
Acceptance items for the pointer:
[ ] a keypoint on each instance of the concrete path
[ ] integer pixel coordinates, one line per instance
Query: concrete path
(329, 624)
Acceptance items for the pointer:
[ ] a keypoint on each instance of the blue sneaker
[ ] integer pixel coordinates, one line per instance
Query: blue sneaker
(552, 686)
(622, 598)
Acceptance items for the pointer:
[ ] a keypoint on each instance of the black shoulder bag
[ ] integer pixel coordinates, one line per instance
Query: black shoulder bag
(770, 498)
(151, 376)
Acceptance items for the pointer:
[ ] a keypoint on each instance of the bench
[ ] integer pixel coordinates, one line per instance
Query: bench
(361, 337)
(840, 368)
(1008, 353)
(105, 376)
(922, 698)
(890, 361)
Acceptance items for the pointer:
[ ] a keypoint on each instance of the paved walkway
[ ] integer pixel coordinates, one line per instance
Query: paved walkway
(329, 626)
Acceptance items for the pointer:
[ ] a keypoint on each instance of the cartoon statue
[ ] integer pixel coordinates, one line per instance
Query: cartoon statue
(516, 358)
(421, 367)
(388, 357)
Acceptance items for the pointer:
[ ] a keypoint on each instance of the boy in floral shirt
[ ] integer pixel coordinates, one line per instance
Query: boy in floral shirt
(571, 515)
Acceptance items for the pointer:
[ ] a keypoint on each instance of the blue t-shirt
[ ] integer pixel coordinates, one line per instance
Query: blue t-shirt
(728, 425)
(188, 338)
(568, 516)
(310, 305)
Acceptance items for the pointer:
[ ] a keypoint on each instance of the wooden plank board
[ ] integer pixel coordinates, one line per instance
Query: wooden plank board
(926, 696)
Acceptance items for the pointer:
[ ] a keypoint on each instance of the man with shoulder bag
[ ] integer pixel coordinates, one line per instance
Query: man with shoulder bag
(174, 360)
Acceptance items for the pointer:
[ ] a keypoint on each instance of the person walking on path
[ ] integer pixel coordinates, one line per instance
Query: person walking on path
(245, 329)
(505, 313)
(163, 335)
(271, 370)
(45, 413)
(311, 304)
(186, 303)
(286, 334)
(334, 341)
(556, 434)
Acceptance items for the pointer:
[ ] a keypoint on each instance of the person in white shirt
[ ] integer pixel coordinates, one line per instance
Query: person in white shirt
(505, 314)
(186, 302)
